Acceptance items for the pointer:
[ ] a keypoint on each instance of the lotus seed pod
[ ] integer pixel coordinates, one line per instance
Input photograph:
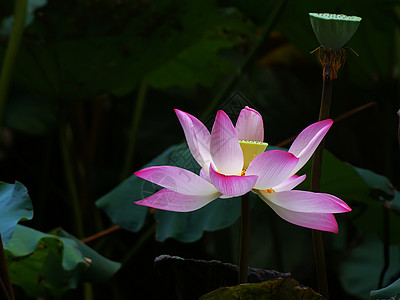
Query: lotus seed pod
(333, 31)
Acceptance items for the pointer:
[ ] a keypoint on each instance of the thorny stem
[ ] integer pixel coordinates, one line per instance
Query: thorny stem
(244, 239)
(4, 276)
(11, 52)
(317, 238)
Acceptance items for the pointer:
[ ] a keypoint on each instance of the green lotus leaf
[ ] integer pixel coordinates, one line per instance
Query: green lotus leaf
(390, 292)
(15, 206)
(51, 264)
(333, 31)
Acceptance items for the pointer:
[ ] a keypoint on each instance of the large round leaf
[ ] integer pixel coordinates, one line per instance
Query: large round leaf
(50, 264)
(15, 205)
(360, 272)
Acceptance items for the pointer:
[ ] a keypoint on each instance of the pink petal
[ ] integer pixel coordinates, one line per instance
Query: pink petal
(272, 168)
(249, 125)
(197, 137)
(178, 180)
(232, 185)
(319, 221)
(203, 174)
(306, 202)
(225, 150)
(289, 183)
(308, 140)
(172, 201)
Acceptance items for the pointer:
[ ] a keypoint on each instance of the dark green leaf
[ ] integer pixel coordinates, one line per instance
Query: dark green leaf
(177, 40)
(360, 272)
(390, 292)
(29, 114)
(395, 203)
(198, 64)
(15, 205)
(119, 203)
(376, 181)
(338, 178)
(364, 190)
(47, 264)
(189, 227)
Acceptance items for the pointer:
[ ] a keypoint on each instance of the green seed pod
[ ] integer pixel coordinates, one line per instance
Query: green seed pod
(333, 31)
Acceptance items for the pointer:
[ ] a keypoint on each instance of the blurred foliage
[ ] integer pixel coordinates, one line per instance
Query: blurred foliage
(74, 96)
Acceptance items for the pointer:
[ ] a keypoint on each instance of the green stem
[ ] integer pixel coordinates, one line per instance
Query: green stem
(386, 242)
(398, 130)
(244, 239)
(226, 89)
(69, 176)
(317, 237)
(4, 276)
(11, 52)
(87, 291)
(137, 114)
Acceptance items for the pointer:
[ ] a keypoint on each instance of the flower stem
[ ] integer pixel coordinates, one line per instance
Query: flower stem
(244, 239)
(398, 131)
(4, 276)
(386, 242)
(11, 52)
(317, 237)
(137, 114)
(70, 180)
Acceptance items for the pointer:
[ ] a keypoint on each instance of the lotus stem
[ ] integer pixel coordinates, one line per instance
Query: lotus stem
(70, 180)
(11, 52)
(136, 117)
(244, 239)
(318, 243)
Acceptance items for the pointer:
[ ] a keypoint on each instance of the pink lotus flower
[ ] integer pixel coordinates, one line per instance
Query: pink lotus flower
(233, 163)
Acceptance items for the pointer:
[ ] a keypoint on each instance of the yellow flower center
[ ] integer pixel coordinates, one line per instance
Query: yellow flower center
(250, 150)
